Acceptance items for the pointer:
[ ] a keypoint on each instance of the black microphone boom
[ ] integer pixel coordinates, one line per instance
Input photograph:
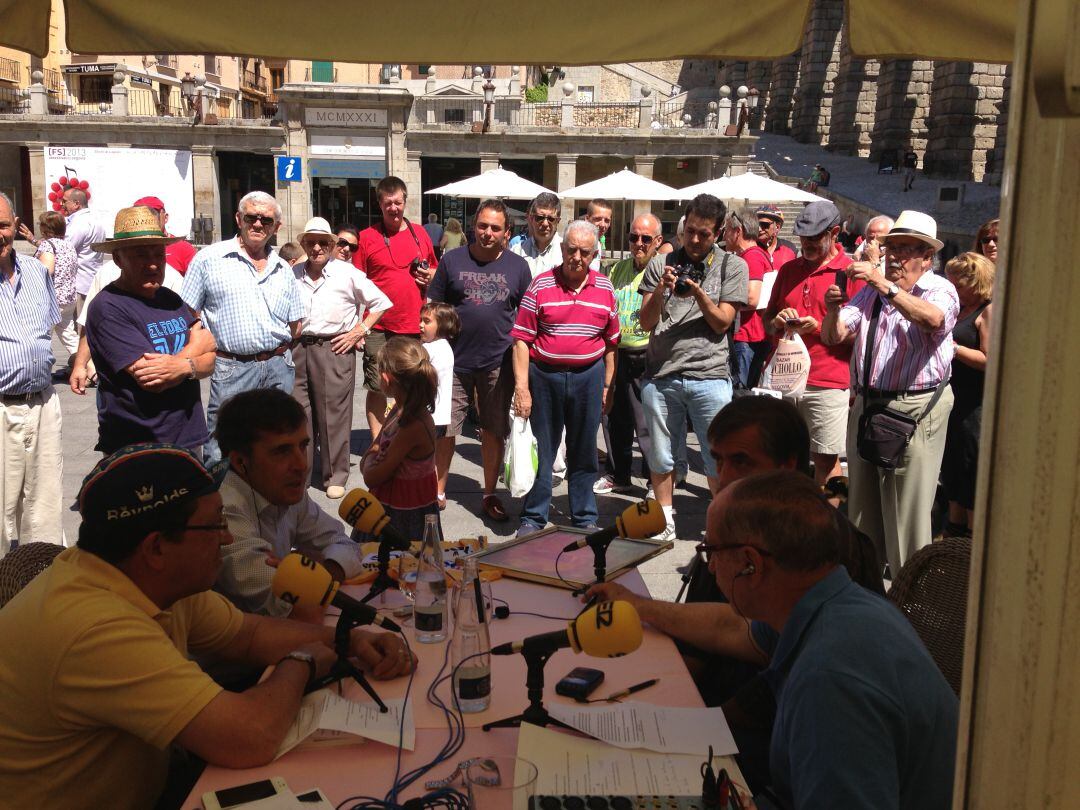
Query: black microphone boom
(596, 539)
(361, 613)
(539, 644)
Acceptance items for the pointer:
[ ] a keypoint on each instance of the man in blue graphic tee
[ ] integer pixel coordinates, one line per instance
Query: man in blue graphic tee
(149, 347)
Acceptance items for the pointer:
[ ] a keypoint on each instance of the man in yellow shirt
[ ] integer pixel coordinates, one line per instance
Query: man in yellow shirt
(95, 679)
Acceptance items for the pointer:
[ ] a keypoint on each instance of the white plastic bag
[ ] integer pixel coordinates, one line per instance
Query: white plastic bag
(789, 367)
(519, 461)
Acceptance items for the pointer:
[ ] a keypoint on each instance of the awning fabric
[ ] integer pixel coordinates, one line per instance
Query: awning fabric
(452, 31)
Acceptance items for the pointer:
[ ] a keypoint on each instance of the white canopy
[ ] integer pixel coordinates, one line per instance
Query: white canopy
(752, 187)
(492, 183)
(623, 185)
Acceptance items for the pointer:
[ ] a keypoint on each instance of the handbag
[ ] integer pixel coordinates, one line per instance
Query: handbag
(884, 433)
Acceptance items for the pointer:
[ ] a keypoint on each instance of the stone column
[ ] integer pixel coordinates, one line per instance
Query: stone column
(120, 94)
(782, 86)
(818, 69)
(996, 162)
(903, 101)
(854, 99)
(643, 165)
(961, 128)
(205, 181)
(489, 161)
(412, 181)
(646, 108)
(39, 96)
(39, 183)
(567, 172)
(514, 87)
(567, 118)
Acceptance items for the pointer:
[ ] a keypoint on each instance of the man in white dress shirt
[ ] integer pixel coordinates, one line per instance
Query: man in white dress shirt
(335, 296)
(263, 433)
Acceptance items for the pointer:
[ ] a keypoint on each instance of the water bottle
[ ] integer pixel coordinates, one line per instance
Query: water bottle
(429, 610)
(472, 680)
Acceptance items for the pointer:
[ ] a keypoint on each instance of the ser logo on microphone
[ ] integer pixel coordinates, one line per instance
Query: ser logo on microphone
(642, 508)
(353, 515)
(605, 615)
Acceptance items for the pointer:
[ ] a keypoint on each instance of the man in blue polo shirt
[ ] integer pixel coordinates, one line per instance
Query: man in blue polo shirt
(864, 717)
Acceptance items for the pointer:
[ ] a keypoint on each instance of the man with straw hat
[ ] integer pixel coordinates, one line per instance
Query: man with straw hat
(149, 347)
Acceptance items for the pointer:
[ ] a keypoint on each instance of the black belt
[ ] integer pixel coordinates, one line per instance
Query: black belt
(550, 369)
(15, 399)
(317, 340)
(258, 357)
(877, 393)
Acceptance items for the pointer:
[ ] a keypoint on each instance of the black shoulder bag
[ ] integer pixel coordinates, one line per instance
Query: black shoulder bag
(884, 433)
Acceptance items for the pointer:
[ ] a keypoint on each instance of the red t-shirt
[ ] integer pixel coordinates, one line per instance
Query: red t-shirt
(179, 255)
(802, 286)
(751, 327)
(781, 256)
(386, 262)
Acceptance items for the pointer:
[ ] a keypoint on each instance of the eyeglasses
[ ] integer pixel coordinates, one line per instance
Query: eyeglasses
(905, 248)
(266, 222)
(641, 237)
(207, 527)
(346, 244)
(986, 240)
(706, 549)
(765, 224)
(544, 218)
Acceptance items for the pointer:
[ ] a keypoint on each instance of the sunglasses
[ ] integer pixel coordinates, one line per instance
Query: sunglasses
(986, 240)
(765, 224)
(540, 218)
(346, 244)
(322, 243)
(641, 237)
(266, 222)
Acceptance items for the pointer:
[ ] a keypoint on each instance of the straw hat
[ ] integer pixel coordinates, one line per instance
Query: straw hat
(135, 226)
(918, 226)
(316, 226)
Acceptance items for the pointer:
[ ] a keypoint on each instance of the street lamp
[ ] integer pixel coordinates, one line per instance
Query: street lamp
(489, 102)
(191, 90)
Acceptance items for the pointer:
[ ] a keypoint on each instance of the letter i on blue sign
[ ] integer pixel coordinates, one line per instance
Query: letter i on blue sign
(288, 169)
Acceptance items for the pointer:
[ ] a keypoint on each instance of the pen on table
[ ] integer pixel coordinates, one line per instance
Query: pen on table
(635, 688)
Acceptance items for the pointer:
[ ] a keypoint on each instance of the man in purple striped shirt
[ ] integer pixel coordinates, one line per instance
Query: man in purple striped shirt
(911, 358)
(565, 336)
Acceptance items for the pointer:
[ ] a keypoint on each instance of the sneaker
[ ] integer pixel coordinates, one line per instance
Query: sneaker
(335, 492)
(649, 494)
(604, 485)
(680, 477)
(667, 535)
(527, 528)
(556, 480)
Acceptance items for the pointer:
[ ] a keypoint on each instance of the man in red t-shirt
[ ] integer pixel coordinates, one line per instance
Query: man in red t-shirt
(770, 221)
(798, 303)
(400, 260)
(178, 255)
(751, 345)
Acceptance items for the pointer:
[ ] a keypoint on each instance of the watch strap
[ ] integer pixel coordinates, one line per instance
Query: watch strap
(303, 657)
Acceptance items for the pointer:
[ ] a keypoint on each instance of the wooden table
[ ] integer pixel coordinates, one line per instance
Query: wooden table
(368, 769)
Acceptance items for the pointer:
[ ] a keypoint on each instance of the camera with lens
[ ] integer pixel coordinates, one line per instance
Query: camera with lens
(691, 271)
(418, 264)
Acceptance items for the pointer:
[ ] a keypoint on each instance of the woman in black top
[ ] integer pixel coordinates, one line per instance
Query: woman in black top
(973, 276)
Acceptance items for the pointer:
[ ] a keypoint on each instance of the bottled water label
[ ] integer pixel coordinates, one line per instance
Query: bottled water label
(473, 683)
(428, 618)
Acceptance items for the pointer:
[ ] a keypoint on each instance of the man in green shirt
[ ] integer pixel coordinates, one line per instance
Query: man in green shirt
(627, 416)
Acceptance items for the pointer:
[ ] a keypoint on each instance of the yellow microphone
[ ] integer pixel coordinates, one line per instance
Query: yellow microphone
(362, 510)
(637, 521)
(300, 580)
(606, 630)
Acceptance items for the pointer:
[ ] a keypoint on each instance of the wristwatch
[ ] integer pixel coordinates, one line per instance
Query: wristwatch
(892, 291)
(307, 658)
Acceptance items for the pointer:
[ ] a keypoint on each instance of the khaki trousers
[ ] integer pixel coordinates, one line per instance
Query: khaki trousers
(32, 461)
(893, 506)
(324, 386)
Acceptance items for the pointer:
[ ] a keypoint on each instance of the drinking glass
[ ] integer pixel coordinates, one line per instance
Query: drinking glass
(500, 783)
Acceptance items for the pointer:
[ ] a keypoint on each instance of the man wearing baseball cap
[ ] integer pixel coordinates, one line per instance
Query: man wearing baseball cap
(178, 254)
(148, 346)
(770, 221)
(902, 324)
(798, 304)
(96, 682)
(341, 304)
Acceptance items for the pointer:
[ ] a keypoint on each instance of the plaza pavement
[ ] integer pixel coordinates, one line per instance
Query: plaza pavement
(463, 516)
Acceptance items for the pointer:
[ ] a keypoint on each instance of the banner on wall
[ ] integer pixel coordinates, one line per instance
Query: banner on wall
(115, 178)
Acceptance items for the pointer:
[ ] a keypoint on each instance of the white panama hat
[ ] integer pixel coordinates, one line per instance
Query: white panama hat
(917, 225)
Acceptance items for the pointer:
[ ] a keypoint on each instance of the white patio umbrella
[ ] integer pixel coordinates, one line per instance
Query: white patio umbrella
(492, 183)
(623, 185)
(750, 187)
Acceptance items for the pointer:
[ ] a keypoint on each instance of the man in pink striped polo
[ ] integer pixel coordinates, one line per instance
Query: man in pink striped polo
(565, 337)
(902, 324)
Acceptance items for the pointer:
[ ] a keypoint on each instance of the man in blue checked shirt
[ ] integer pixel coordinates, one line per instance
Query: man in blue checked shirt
(248, 299)
(31, 458)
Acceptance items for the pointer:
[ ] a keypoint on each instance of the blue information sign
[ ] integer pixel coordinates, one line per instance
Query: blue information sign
(288, 169)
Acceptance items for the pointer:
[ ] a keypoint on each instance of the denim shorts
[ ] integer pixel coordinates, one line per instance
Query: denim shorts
(668, 401)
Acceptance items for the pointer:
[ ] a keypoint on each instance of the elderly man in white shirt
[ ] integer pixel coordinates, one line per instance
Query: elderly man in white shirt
(264, 435)
(335, 296)
(542, 247)
(83, 230)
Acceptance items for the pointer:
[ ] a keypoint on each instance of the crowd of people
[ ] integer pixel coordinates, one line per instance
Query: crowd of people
(546, 326)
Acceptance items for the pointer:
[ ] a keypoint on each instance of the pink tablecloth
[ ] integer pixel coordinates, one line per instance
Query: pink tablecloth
(368, 769)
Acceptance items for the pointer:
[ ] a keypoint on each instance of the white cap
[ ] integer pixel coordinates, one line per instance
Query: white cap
(316, 225)
(917, 225)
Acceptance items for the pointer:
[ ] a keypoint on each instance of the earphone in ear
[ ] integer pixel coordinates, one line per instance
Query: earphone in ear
(750, 569)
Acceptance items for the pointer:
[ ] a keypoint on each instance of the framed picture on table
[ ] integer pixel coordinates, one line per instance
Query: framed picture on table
(533, 557)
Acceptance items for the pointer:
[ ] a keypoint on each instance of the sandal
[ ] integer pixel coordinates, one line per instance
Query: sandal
(494, 509)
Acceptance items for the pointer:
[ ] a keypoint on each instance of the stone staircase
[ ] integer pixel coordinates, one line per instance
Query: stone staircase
(791, 209)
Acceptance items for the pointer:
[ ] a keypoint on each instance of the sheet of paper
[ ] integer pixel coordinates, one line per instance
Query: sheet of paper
(570, 765)
(667, 729)
(326, 717)
(766, 289)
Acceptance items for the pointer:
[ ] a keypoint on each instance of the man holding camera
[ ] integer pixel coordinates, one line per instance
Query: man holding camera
(400, 260)
(688, 306)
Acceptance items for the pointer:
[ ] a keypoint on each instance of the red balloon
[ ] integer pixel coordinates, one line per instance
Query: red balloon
(56, 187)
(63, 180)
(52, 196)
(88, 195)
(84, 185)
(56, 206)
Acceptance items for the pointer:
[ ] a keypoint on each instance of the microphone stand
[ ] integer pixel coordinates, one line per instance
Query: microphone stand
(599, 551)
(382, 581)
(535, 712)
(343, 668)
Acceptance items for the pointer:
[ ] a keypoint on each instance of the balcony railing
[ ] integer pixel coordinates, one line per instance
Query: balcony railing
(9, 70)
(673, 114)
(252, 81)
(167, 60)
(321, 73)
(53, 81)
(12, 100)
(516, 113)
(148, 103)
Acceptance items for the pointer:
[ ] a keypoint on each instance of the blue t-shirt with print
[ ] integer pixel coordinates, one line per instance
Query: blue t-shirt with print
(120, 328)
